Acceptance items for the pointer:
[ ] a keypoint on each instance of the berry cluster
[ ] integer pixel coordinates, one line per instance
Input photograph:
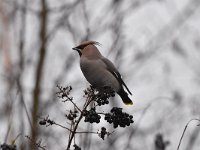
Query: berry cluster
(72, 115)
(118, 118)
(100, 95)
(160, 143)
(76, 147)
(91, 116)
(103, 95)
(8, 147)
(103, 133)
(46, 121)
(64, 93)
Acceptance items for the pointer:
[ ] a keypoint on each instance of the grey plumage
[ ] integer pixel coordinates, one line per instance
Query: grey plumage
(99, 71)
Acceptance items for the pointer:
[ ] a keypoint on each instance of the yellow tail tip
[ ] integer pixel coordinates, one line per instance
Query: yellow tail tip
(129, 103)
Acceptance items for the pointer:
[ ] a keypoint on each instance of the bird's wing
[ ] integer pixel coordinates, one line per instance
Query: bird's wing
(115, 72)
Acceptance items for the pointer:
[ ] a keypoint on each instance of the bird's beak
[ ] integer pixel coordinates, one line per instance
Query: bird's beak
(76, 49)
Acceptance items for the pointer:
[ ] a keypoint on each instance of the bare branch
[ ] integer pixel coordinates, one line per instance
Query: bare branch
(185, 130)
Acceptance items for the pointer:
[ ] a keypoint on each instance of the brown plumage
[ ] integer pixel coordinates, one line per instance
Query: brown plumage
(99, 71)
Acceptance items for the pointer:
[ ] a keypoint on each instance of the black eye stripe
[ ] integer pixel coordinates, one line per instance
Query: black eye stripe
(79, 52)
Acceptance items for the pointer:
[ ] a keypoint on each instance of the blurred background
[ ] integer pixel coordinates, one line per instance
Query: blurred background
(154, 43)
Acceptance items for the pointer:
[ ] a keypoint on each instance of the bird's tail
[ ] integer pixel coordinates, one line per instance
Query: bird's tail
(124, 97)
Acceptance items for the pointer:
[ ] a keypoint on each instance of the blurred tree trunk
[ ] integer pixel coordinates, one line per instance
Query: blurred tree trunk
(19, 77)
(39, 69)
(5, 42)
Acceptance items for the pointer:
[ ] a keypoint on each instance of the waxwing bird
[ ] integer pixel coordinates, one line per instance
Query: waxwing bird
(99, 71)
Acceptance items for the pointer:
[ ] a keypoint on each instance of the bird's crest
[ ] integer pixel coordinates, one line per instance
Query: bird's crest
(86, 43)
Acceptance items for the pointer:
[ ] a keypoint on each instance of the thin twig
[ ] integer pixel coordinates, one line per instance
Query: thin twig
(17, 137)
(87, 132)
(88, 101)
(62, 126)
(38, 144)
(185, 130)
(76, 106)
(74, 131)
